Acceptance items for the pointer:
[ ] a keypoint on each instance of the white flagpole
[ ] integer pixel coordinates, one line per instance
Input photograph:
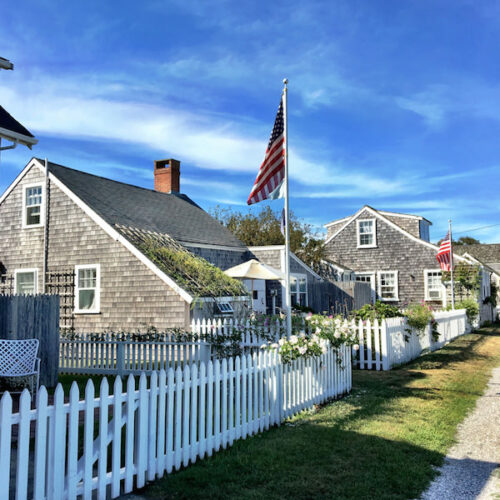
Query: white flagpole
(287, 216)
(451, 268)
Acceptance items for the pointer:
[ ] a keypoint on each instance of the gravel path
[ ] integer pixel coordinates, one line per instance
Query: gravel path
(468, 470)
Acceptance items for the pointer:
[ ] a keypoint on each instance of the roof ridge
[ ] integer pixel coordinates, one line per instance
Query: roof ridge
(108, 179)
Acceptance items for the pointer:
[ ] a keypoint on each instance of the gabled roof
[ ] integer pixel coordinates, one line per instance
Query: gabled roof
(379, 215)
(383, 212)
(127, 205)
(486, 253)
(15, 131)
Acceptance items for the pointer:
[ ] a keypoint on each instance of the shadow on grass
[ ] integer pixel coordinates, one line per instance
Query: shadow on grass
(308, 461)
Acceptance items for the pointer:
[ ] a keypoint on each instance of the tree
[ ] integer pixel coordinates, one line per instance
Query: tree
(463, 241)
(264, 228)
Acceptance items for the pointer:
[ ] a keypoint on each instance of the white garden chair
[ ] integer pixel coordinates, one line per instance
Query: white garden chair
(18, 358)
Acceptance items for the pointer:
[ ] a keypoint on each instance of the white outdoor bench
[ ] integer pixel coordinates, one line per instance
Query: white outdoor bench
(18, 358)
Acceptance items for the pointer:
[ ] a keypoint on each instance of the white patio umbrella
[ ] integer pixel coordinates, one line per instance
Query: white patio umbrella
(254, 270)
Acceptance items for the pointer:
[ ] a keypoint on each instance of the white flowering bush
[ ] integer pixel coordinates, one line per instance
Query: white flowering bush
(323, 330)
(300, 346)
(333, 329)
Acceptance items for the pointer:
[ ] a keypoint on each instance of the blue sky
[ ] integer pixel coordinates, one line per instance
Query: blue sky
(392, 104)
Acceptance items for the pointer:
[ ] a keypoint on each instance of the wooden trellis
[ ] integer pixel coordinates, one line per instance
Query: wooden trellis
(62, 283)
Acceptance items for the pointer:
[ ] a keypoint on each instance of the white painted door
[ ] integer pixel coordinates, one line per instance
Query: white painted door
(259, 294)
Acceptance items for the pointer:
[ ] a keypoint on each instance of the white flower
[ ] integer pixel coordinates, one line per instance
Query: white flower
(337, 334)
(318, 330)
(302, 334)
(315, 338)
(294, 339)
(282, 342)
(355, 347)
(324, 349)
(303, 349)
(274, 345)
(263, 346)
(337, 322)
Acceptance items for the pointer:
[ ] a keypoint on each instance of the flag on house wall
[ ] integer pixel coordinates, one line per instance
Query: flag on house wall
(269, 184)
(444, 253)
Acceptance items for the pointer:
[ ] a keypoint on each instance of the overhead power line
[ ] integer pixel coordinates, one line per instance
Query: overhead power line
(475, 229)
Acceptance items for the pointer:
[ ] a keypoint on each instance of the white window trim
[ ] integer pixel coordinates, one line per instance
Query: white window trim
(42, 206)
(26, 270)
(426, 286)
(298, 276)
(379, 286)
(97, 308)
(374, 244)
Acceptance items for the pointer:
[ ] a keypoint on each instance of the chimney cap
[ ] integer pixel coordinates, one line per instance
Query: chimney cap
(171, 162)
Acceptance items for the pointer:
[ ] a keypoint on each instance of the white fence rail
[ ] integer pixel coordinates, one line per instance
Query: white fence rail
(105, 446)
(387, 343)
(112, 355)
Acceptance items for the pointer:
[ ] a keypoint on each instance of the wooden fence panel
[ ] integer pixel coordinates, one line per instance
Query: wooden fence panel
(34, 316)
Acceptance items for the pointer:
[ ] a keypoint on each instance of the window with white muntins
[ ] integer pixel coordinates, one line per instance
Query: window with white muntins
(298, 289)
(87, 289)
(434, 288)
(33, 205)
(26, 281)
(387, 285)
(367, 237)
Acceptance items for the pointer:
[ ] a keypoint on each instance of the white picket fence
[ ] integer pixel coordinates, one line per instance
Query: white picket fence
(105, 446)
(108, 354)
(383, 344)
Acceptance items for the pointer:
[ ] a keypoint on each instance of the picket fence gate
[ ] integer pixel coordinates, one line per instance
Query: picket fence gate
(105, 446)
(387, 343)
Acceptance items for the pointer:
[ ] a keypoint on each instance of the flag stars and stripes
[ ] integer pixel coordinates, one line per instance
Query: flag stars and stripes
(444, 253)
(272, 171)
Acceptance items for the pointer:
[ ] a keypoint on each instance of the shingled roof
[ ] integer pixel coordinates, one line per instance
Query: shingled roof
(487, 253)
(120, 204)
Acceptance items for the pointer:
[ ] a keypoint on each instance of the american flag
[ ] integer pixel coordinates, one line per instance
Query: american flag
(444, 253)
(271, 174)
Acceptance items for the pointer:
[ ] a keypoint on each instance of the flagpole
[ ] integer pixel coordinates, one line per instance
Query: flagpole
(451, 269)
(287, 215)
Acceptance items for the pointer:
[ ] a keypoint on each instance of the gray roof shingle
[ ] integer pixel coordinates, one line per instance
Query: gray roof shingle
(487, 253)
(8, 122)
(123, 204)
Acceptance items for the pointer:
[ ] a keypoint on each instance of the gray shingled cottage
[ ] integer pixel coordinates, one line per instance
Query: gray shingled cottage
(120, 256)
(126, 258)
(391, 252)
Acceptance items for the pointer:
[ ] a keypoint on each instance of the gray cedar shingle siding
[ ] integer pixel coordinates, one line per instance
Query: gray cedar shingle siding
(75, 239)
(410, 224)
(224, 259)
(394, 252)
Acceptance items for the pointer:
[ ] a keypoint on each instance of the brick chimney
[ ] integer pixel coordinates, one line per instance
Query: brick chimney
(167, 175)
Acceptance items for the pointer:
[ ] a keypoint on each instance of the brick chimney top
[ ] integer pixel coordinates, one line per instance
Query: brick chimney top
(167, 175)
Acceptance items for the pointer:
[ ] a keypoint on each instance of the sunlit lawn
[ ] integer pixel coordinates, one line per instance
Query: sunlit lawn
(381, 442)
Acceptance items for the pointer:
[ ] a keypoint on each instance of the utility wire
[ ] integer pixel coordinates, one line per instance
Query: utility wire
(475, 229)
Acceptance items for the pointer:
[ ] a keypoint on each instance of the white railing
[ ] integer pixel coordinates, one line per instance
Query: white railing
(116, 354)
(387, 343)
(105, 446)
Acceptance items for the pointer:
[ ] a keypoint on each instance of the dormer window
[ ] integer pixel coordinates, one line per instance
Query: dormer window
(33, 205)
(367, 237)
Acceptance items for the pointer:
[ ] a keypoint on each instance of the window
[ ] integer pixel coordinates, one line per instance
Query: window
(33, 206)
(26, 281)
(433, 286)
(388, 285)
(225, 307)
(366, 233)
(87, 290)
(298, 290)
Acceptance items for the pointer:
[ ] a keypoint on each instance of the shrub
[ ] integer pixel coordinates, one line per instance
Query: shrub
(418, 317)
(471, 308)
(379, 310)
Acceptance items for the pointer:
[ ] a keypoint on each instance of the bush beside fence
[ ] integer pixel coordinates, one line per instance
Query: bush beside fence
(389, 342)
(108, 445)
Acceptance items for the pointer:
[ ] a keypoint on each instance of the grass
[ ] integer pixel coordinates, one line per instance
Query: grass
(383, 441)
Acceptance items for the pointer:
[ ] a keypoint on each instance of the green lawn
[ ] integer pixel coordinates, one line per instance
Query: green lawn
(380, 442)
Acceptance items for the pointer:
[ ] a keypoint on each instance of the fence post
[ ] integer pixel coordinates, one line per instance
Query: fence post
(385, 342)
(120, 359)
